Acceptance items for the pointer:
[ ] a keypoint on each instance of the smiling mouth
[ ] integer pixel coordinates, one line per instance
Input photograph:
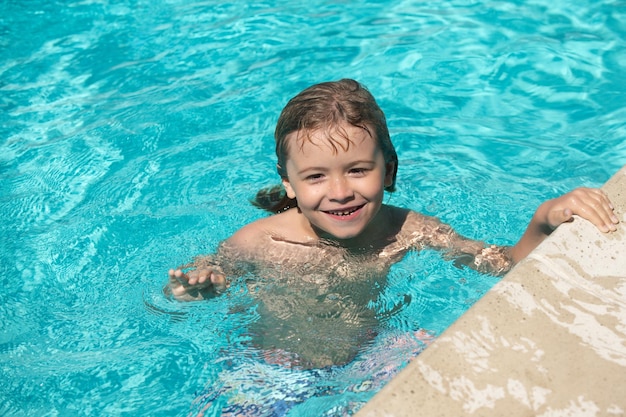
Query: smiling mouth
(344, 213)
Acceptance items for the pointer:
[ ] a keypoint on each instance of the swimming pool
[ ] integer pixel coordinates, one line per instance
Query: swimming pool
(134, 133)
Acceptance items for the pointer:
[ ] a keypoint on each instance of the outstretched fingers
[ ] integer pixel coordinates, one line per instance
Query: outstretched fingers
(197, 279)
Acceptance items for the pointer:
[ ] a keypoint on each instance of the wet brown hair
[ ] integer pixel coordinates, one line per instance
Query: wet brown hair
(326, 106)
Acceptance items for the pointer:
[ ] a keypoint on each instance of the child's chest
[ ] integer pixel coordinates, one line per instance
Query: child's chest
(327, 265)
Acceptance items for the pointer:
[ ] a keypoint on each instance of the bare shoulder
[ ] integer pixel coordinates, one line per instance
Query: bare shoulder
(419, 230)
(251, 234)
(260, 232)
(412, 221)
(422, 219)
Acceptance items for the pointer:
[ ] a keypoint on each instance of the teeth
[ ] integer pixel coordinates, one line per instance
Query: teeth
(342, 213)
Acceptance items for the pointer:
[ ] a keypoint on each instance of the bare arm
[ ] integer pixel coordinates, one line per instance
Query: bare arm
(430, 232)
(589, 203)
(206, 276)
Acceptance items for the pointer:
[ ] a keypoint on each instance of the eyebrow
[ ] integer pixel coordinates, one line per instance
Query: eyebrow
(352, 164)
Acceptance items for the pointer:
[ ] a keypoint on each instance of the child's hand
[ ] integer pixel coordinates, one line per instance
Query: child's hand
(589, 203)
(196, 284)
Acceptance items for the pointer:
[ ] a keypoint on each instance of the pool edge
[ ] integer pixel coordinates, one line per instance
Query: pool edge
(548, 339)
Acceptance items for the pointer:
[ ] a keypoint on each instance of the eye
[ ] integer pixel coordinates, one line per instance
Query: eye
(314, 177)
(359, 171)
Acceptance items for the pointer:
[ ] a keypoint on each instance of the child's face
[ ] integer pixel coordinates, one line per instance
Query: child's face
(340, 191)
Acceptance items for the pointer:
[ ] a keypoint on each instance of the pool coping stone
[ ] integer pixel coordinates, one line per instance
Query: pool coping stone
(549, 339)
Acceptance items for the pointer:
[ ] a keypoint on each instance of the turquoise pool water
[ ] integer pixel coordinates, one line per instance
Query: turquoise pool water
(133, 133)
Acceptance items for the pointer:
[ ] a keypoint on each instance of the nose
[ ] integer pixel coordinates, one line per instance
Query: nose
(340, 190)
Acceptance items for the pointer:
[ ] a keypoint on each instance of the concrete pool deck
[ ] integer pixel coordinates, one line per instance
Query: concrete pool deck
(548, 340)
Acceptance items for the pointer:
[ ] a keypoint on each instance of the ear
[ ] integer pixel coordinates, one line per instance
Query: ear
(288, 188)
(390, 169)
